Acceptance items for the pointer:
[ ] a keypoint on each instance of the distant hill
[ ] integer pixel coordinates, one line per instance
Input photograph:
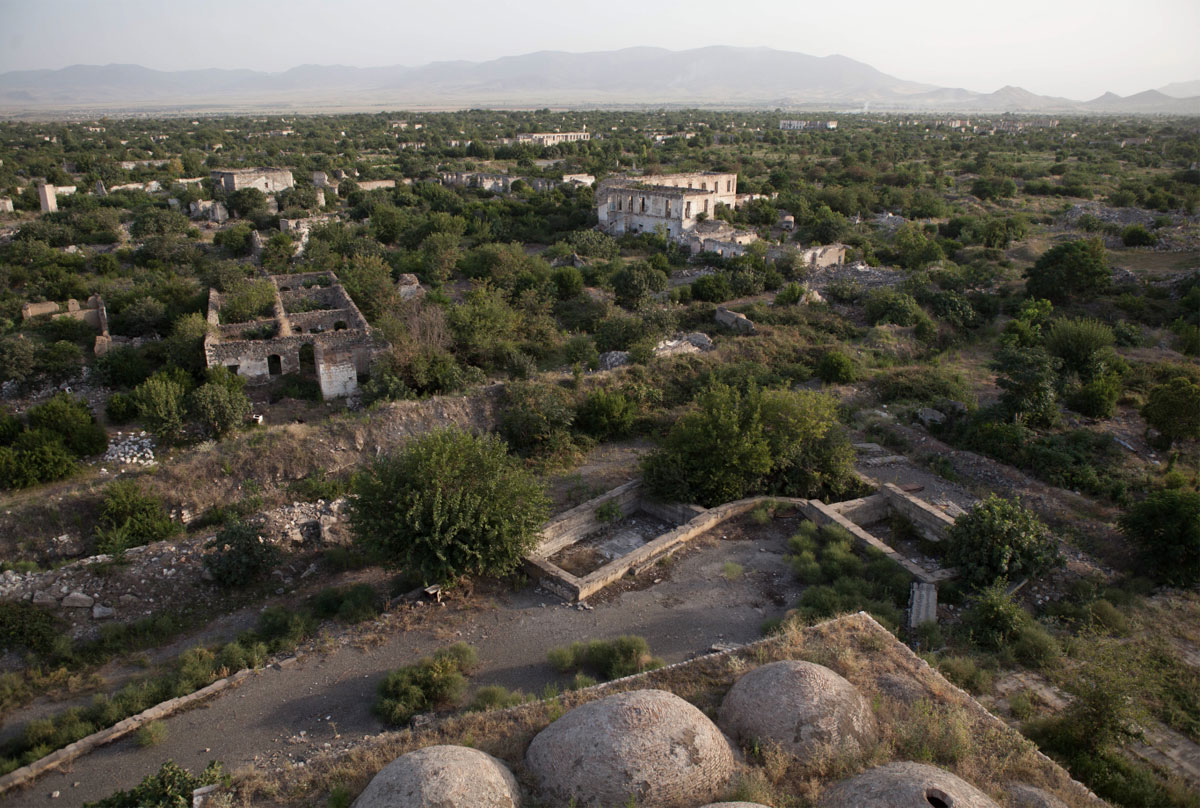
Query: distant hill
(709, 77)
(1182, 89)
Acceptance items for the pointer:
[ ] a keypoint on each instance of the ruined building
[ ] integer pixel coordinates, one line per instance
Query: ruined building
(92, 312)
(676, 201)
(315, 329)
(550, 138)
(267, 180)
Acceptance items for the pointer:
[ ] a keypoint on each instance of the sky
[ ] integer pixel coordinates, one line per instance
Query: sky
(1073, 48)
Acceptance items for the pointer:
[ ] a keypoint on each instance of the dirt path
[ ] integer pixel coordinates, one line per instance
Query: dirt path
(284, 716)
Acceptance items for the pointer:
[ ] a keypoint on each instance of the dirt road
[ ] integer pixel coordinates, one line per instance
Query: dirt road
(284, 716)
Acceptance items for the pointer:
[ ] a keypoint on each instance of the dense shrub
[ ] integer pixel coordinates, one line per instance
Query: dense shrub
(351, 604)
(1098, 398)
(896, 308)
(70, 418)
(1074, 269)
(130, 518)
(1165, 527)
(1000, 539)
(239, 555)
(712, 288)
(1081, 344)
(449, 504)
(734, 444)
(170, 787)
(920, 385)
(35, 456)
(608, 659)
(25, 627)
(581, 350)
(1136, 235)
(161, 407)
(1028, 378)
(605, 414)
(840, 579)
(994, 618)
(835, 367)
(1174, 409)
(537, 418)
(431, 683)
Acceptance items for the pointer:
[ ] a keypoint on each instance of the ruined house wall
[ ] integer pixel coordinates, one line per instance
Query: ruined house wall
(267, 180)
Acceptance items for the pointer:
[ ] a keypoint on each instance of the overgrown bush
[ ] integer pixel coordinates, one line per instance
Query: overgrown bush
(835, 367)
(239, 555)
(70, 418)
(605, 414)
(994, 619)
(130, 518)
(537, 418)
(170, 787)
(351, 604)
(434, 682)
(449, 504)
(1165, 527)
(1081, 344)
(921, 385)
(609, 659)
(1000, 539)
(25, 627)
(1077, 269)
(734, 444)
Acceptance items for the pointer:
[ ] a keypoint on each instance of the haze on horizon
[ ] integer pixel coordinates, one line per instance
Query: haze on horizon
(1069, 48)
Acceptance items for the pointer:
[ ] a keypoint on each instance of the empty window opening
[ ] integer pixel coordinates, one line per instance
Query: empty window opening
(233, 369)
(274, 365)
(688, 211)
(643, 204)
(938, 798)
(308, 359)
(340, 325)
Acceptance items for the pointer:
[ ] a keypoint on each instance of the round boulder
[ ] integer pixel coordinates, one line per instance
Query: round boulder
(442, 777)
(905, 785)
(807, 709)
(646, 744)
(1022, 795)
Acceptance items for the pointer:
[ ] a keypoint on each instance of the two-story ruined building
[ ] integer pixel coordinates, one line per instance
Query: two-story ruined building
(676, 201)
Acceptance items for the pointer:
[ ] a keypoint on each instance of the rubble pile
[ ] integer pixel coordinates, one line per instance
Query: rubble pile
(132, 448)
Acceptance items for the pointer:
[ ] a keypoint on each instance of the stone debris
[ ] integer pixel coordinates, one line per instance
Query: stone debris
(133, 448)
(610, 360)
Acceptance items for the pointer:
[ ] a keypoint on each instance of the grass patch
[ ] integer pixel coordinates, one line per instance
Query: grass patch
(608, 659)
(432, 683)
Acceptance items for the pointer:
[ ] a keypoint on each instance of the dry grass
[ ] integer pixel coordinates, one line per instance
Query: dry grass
(943, 726)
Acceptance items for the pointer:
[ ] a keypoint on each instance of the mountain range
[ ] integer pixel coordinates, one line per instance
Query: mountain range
(721, 77)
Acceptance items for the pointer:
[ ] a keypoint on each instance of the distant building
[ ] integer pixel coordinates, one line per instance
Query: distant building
(676, 201)
(800, 126)
(267, 180)
(549, 138)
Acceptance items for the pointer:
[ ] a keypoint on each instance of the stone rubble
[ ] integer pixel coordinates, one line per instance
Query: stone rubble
(133, 448)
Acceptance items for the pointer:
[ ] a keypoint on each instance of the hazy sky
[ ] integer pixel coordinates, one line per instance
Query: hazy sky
(1074, 48)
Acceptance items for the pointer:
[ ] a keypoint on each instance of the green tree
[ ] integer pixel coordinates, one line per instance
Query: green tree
(1000, 539)
(1083, 344)
(1174, 409)
(219, 405)
(17, 359)
(1165, 527)
(1028, 378)
(247, 202)
(449, 504)
(72, 419)
(636, 282)
(160, 405)
(1074, 269)
(368, 281)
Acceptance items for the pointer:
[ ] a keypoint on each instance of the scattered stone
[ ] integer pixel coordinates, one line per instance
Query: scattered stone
(929, 416)
(100, 612)
(613, 359)
(77, 600)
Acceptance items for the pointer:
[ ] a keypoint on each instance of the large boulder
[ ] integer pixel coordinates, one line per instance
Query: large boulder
(807, 710)
(442, 777)
(905, 785)
(1022, 795)
(648, 745)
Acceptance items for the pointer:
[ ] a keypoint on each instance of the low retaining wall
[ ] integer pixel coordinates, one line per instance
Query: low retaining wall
(70, 752)
(824, 514)
(930, 522)
(570, 526)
